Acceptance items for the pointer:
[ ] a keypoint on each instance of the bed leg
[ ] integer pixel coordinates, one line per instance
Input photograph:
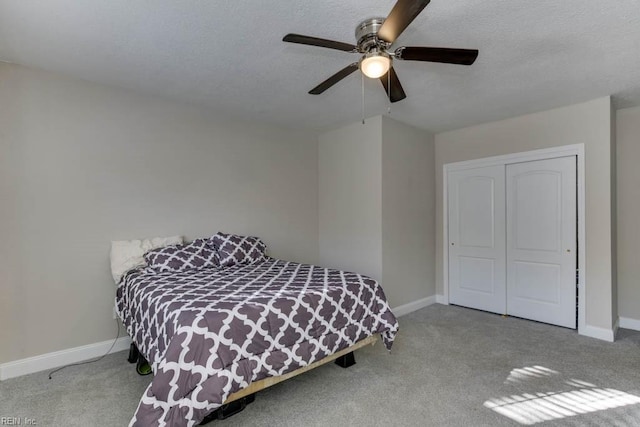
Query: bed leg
(346, 361)
(133, 354)
(230, 409)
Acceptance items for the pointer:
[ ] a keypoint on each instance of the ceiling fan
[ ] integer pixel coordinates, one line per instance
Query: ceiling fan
(375, 36)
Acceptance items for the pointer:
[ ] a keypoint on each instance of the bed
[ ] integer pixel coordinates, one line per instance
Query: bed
(211, 334)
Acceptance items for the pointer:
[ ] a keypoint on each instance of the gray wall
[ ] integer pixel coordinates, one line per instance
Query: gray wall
(615, 294)
(82, 164)
(588, 123)
(350, 201)
(628, 177)
(408, 212)
(377, 205)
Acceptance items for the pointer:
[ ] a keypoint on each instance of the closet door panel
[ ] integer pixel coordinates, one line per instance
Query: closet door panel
(541, 240)
(477, 238)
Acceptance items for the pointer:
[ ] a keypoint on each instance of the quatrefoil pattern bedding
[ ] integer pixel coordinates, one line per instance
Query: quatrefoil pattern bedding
(209, 333)
(233, 249)
(191, 256)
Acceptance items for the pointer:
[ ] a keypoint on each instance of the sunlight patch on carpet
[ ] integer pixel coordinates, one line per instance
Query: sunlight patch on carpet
(537, 407)
(528, 373)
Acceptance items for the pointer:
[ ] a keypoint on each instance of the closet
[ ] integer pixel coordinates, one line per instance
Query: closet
(512, 239)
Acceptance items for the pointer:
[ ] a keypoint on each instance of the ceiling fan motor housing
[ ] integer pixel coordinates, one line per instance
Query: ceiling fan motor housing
(366, 35)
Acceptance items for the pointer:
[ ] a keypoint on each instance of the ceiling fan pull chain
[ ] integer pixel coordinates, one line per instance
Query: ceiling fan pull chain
(389, 91)
(362, 78)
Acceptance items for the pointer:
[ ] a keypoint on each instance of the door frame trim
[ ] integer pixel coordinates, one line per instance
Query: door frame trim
(526, 156)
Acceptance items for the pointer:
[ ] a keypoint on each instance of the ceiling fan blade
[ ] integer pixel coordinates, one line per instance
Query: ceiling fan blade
(314, 41)
(402, 14)
(334, 79)
(397, 93)
(437, 54)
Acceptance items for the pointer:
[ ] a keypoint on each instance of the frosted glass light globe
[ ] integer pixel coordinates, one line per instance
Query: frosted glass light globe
(375, 65)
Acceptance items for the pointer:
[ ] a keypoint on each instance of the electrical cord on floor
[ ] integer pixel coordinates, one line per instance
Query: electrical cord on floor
(94, 360)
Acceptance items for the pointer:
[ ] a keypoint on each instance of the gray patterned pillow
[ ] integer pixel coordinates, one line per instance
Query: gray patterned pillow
(233, 249)
(191, 256)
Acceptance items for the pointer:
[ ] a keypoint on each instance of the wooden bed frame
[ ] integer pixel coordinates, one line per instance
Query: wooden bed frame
(269, 381)
(237, 401)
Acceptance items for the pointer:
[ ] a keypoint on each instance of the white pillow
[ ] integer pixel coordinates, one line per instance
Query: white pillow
(128, 254)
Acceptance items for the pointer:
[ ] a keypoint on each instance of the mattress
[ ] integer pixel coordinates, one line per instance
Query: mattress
(209, 333)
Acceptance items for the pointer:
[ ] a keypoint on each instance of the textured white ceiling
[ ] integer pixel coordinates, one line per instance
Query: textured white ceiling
(228, 55)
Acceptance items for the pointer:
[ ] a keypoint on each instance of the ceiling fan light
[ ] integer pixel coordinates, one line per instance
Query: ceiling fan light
(375, 65)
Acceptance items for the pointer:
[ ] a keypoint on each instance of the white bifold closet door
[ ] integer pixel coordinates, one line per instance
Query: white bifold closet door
(512, 239)
(541, 240)
(477, 238)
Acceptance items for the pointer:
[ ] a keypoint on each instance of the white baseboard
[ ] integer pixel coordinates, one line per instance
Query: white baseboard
(440, 299)
(56, 359)
(599, 333)
(627, 323)
(413, 306)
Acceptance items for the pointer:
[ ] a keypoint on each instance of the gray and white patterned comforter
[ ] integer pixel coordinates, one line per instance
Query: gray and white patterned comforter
(209, 333)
